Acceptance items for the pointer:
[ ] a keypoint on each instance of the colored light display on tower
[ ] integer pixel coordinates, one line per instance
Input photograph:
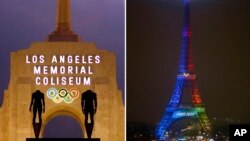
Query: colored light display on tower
(178, 113)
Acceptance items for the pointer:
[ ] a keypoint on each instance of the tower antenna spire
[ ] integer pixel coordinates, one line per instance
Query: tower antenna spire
(186, 57)
(63, 30)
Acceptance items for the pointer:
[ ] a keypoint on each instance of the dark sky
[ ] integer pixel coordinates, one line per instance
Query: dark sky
(25, 21)
(221, 51)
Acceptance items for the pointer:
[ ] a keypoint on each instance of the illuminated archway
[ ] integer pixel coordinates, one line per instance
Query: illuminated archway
(61, 127)
(17, 125)
(62, 111)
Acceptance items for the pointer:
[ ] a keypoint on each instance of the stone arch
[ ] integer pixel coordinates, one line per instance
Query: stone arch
(63, 111)
(17, 120)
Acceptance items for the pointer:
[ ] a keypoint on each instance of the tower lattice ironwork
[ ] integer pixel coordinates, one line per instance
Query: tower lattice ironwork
(186, 79)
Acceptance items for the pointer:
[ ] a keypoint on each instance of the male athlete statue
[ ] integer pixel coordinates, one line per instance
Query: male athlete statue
(37, 101)
(89, 106)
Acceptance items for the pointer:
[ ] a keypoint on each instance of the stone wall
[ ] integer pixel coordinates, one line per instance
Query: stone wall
(16, 120)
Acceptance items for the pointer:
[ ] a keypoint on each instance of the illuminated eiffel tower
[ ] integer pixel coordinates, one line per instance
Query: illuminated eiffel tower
(186, 84)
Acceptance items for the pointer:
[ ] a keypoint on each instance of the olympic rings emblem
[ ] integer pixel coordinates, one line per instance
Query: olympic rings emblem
(63, 95)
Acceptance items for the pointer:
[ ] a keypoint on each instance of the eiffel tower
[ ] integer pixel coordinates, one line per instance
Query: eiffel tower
(177, 112)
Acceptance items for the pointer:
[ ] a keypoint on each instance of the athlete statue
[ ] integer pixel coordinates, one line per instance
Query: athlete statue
(37, 101)
(38, 105)
(89, 106)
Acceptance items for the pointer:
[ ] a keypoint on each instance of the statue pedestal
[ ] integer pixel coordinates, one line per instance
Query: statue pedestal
(62, 139)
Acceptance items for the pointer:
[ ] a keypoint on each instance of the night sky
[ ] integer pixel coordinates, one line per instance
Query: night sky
(25, 21)
(221, 52)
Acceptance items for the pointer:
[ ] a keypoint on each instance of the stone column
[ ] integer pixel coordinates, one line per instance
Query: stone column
(63, 15)
(63, 30)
